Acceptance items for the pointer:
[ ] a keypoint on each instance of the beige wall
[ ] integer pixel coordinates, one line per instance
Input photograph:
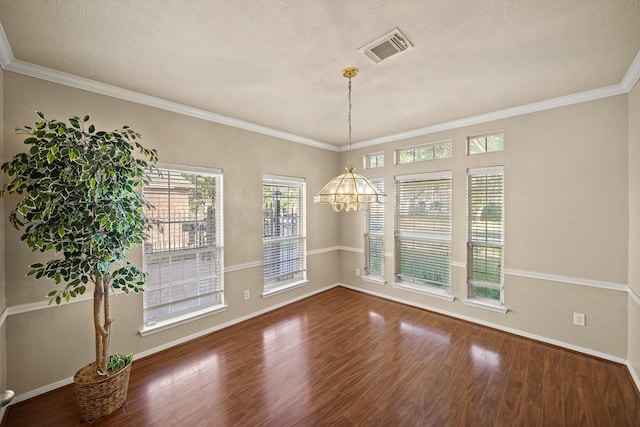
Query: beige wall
(634, 230)
(48, 345)
(570, 193)
(3, 305)
(566, 204)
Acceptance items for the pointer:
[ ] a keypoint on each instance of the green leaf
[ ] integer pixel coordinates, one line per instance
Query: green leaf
(92, 128)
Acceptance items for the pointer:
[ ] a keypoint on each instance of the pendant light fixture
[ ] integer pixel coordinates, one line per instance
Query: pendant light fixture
(350, 191)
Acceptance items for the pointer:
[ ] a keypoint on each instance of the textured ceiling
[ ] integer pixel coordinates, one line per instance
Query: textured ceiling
(278, 63)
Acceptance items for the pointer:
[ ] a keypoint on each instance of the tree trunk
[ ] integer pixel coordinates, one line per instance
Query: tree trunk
(102, 330)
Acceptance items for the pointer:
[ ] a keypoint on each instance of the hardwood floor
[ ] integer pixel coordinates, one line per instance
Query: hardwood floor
(345, 358)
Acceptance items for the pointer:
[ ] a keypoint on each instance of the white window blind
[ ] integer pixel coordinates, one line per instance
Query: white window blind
(183, 255)
(423, 230)
(374, 236)
(284, 234)
(486, 229)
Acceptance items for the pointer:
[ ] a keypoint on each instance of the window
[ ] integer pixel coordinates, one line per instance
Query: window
(374, 237)
(485, 143)
(284, 239)
(434, 151)
(183, 255)
(485, 246)
(423, 232)
(375, 160)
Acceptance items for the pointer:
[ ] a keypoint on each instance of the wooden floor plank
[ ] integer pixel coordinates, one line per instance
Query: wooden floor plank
(343, 358)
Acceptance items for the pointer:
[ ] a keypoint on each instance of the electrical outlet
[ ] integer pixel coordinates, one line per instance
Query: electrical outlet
(246, 294)
(357, 271)
(579, 319)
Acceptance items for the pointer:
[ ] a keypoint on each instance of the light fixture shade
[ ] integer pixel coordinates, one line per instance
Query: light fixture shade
(350, 192)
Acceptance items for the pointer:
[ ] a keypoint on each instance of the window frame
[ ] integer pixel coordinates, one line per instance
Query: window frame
(368, 157)
(486, 142)
(300, 184)
(432, 145)
(374, 218)
(153, 325)
(496, 243)
(442, 236)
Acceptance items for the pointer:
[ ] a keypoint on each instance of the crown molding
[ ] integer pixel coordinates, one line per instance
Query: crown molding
(9, 63)
(548, 104)
(3, 316)
(634, 295)
(55, 76)
(6, 55)
(632, 75)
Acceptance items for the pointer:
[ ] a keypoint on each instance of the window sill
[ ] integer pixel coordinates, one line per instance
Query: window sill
(374, 279)
(486, 305)
(284, 288)
(180, 320)
(429, 292)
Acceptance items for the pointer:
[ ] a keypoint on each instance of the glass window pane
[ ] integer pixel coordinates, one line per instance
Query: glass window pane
(485, 143)
(283, 227)
(423, 230)
(182, 254)
(485, 232)
(495, 142)
(425, 152)
(442, 151)
(374, 236)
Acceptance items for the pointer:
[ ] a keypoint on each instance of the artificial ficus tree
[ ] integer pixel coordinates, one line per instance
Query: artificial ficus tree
(80, 199)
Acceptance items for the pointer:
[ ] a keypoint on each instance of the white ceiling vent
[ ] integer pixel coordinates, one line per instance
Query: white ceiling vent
(386, 46)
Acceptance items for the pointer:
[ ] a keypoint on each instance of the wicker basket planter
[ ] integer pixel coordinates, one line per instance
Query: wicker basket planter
(99, 398)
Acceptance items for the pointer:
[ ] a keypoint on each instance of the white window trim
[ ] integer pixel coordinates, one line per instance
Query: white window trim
(374, 279)
(162, 325)
(426, 290)
(289, 180)
(181, 320)
(190, 168)
(498, 306)
(432, 292)
(284, 288)
(422, 176)
(475, 302)
(484, 135)
(396, 155)
(366, 157)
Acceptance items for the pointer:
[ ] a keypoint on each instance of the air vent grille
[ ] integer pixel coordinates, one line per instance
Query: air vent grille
(386, 46)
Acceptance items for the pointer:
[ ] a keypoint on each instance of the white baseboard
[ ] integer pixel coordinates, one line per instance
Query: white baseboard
(591, 352)
(635, 377)
(230, 323)
(50, 387)
(551, 341)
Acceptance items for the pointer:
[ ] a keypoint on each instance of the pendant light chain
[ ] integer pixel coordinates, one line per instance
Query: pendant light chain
(350, 153)
(350, 191)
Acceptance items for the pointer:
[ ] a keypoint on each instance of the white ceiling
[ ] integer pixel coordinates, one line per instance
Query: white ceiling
(278, 63)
